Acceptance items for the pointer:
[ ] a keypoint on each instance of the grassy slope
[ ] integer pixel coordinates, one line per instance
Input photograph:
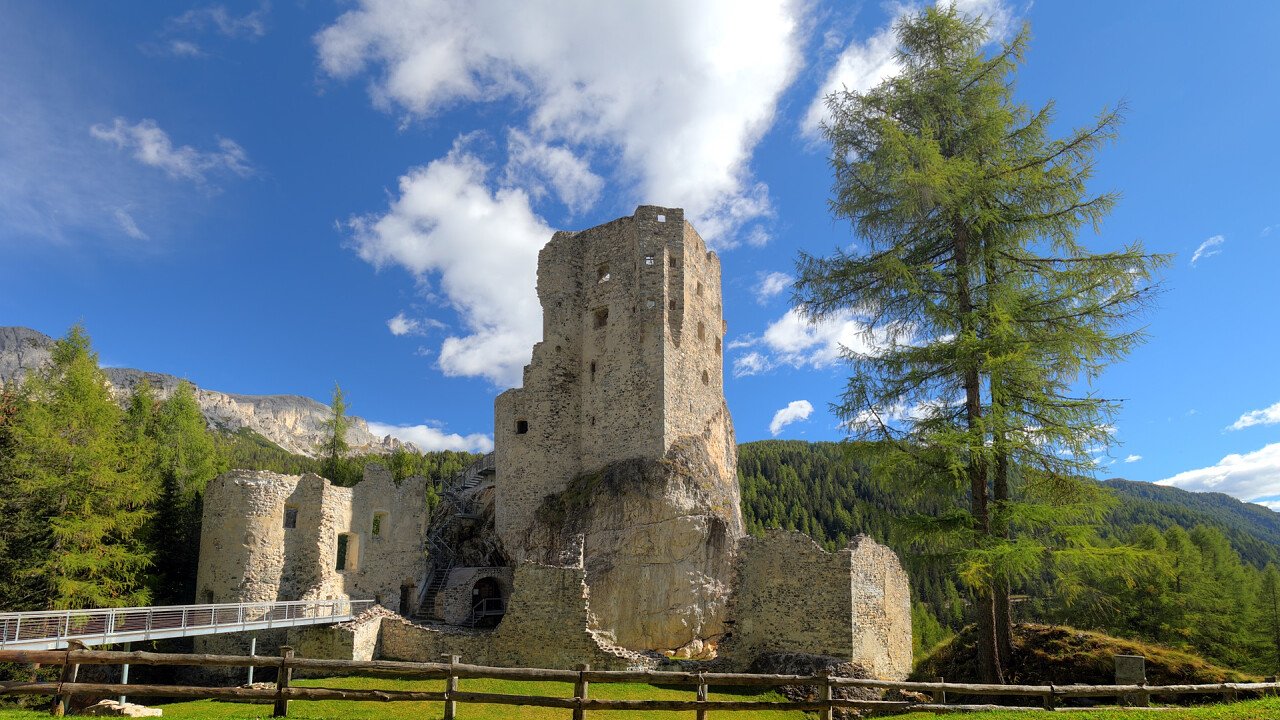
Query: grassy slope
(1062, 655)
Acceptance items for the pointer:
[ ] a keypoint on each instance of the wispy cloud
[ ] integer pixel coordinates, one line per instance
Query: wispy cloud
(151, 146)
(1265, 416)
(1133, 458)
(429, 438)
(1208, 248)
(182, 34)
(128, 225)
(795, 411)
(771, 285)
(1245, 476)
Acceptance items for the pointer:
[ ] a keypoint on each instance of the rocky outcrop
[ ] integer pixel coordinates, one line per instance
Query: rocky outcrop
(293, 422)
(658, 541)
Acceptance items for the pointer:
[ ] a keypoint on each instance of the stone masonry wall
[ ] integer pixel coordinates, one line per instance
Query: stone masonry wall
(545, 626)
(455, 601)
(792, 596)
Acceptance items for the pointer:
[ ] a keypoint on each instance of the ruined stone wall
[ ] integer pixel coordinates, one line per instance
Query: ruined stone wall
(248, 555)
(792, 596)
(455, 602)
(545, 626)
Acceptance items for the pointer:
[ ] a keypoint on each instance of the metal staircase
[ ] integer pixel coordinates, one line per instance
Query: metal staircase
(457, 503)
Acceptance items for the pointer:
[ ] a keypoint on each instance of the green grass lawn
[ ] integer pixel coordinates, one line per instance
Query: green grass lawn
(342, 710)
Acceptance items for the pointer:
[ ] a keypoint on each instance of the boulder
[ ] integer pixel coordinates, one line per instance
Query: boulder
(112, 708)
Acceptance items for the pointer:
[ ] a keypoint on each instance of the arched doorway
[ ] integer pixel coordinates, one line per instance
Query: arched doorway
(488, 603)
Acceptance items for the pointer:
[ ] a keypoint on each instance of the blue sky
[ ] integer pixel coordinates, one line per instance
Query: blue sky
(269, 198)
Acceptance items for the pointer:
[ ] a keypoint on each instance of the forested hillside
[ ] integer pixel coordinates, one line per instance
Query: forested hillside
(1205, 581)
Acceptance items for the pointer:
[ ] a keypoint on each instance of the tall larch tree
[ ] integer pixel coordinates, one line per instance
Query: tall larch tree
(335, 448)
(985, 317)
(70, 461)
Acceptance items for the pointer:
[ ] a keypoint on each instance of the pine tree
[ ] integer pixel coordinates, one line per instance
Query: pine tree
(984, 313)
(335, 448)
(69, 460)
(1269, 606)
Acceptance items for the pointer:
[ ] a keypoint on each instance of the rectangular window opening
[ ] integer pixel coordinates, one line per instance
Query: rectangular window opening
(649, 260)
(522, 427)
(290, 517)
(662, 218)
(379, 522)
(593, 369)
(344, 546)
(602, 317)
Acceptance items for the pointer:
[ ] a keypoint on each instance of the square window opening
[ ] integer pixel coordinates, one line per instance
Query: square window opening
(649, 260)
(601, 317)
(662, 218)
(522, 427)
(290, 517)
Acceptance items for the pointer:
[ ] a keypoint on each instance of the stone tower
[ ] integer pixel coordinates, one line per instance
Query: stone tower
(620, 434)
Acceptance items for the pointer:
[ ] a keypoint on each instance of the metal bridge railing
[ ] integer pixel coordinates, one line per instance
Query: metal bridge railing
(52, 628)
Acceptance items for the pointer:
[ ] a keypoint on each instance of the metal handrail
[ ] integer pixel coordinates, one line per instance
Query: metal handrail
(110, 625)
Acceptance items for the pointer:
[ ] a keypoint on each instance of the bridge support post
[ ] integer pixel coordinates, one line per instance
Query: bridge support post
(124, 674)
(253, 651)
(282, 682)
(62, 703)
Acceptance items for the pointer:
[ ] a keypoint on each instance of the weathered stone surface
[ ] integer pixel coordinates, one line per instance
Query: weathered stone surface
(620, 432)
(112, 708)
(792, 596)
(293, 422)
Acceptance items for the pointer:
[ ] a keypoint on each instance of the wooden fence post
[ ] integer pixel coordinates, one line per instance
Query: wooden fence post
(828, 710)
(1270, 691)
(451, 687)
(282, 682)
(62, 703)
(940, 696)
(702, 696)
(580, 692)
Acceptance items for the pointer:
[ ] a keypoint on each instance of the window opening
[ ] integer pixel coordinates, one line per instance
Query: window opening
(702, 331)
(717, 346)
(602, 317)
(673, 261)
(699, 289)
(651, 304)
(648, 260)
(671, 305)
(602, 274)
(522, 427)
(290, 517)
(344, 547)
(593, 369)
(662, 218)
(379, 521)
(706, 379)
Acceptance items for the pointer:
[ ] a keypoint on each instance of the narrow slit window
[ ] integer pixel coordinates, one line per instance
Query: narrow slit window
(718, 351)
(671, 305)
(602, 317)
(290, 517)
(522, 427)
(706, 378)
(593, 369)
(379, 523)
(699, 289)
(702, 331)
(344, 546)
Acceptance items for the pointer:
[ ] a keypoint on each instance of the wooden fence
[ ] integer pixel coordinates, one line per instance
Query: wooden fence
(581, 703)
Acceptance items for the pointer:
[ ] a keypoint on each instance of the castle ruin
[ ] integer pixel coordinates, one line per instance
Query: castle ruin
(606, 526)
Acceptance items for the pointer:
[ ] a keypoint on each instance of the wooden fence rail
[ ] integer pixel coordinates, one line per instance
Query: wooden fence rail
(582, 679)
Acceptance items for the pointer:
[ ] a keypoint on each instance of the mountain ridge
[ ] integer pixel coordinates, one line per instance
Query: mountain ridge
(293, 422)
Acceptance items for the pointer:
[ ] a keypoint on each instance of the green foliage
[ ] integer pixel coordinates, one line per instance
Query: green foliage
(74, 465)
(984, 313)
(334, 448)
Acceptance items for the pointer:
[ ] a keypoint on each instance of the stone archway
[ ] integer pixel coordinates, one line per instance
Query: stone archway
(488, 602)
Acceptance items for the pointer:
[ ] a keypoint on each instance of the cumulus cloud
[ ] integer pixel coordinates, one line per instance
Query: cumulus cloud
(151, 146)
(429, 439)
(866, 63)
(479, 248)
(771, 285)
(798, 342)
(795, 411)
(401, 325)
(1245, 476)
(1133, 458)
(1208, 248)
(1265, 416)
(536, 165)
(673, 108)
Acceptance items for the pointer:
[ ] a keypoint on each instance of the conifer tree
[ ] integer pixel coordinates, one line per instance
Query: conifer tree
(1269, 607)
(70, 462)
(983, 312)
(335, 448)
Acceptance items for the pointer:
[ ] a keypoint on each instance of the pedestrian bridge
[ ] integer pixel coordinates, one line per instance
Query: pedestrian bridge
(51, 629)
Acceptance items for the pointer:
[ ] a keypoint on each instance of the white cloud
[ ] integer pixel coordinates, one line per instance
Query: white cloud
(129, 225)
(183, 48)
(220, 20)
(479, 246)
(795, 411)
(1247, 476)
(401, 325)
(866, 63)
(753, 363)
(429, 439)
(771, 285)
(151, 146)
(1133, 458)
(531, 164)
(1265, 416)
(1272, 504)
(672, 96)
(1208, 248)
(800, 343)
